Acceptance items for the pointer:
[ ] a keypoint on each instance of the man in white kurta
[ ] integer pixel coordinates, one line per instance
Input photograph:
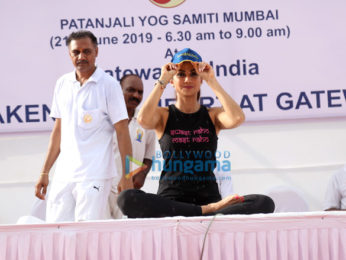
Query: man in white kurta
(88, 106)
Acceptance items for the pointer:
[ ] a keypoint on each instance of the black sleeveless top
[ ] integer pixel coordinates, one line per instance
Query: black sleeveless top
(188, 147)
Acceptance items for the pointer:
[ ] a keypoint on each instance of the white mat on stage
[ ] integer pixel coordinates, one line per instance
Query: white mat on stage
(308, 235)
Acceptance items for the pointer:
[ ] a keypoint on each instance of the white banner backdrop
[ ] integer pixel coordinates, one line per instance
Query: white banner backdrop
(277, 59)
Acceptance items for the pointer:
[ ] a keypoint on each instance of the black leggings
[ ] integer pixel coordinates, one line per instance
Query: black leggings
(138, 204)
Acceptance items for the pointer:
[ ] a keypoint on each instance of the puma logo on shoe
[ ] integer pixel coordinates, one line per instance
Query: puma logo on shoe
(97, 188)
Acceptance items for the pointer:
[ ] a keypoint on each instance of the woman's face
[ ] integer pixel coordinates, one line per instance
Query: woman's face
(186, 81)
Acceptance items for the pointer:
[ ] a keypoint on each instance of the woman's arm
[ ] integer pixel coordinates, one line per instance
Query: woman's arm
(228, 116)
(151, 116)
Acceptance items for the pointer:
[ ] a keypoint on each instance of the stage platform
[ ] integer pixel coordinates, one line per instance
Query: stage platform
(279, 236)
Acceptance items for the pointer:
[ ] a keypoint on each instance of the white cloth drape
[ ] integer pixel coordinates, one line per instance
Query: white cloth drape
(308, 235)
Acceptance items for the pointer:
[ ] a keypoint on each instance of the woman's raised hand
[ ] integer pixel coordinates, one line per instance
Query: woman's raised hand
(168, 71)
(205, 71)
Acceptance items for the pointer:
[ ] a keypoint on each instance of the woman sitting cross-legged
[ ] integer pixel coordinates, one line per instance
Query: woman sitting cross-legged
(187, 133)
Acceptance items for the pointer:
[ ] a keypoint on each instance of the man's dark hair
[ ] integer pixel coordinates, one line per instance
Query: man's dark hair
(127, 76)
(80, 35)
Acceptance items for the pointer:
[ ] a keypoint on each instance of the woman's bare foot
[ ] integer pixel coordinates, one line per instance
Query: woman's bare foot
(229, 200)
